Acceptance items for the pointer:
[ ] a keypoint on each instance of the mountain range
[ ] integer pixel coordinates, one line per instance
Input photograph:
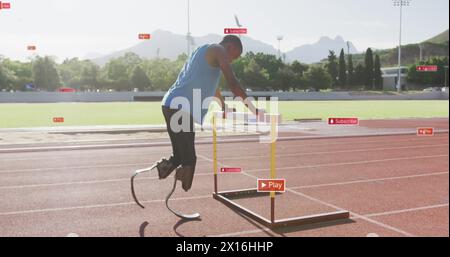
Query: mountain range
(165, 44)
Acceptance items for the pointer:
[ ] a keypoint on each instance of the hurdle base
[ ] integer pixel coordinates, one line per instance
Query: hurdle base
(226, 197)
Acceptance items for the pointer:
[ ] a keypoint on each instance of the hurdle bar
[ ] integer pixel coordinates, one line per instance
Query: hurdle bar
(226, 197)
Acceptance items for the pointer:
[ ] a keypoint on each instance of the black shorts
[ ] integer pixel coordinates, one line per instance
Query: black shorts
(183, 142)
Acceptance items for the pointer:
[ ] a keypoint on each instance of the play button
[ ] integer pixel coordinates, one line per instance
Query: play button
(271, 185)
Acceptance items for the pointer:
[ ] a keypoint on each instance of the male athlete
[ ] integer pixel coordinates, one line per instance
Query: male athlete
(201, 72)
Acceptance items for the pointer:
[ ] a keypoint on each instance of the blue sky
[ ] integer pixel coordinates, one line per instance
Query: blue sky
(74, 28)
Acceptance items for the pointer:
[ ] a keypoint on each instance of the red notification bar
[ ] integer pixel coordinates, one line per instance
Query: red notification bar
(235, 31)
(271, 185)
(144, 36)
(230, 170)
(343, 121)
(425, 131)
(58, 120)
(5, 5)
(427, 68)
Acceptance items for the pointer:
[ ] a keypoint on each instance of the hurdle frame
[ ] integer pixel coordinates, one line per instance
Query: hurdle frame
(226, 197)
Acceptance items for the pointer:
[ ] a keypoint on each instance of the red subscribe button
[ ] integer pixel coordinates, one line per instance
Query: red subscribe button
(343, 121)
(230, 170)
(5, 5)
(427, 68)
(58, 120)
(235, 31)
(425, 131)
(144, 36)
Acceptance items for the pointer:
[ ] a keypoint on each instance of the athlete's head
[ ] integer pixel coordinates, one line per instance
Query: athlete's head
(233, 46)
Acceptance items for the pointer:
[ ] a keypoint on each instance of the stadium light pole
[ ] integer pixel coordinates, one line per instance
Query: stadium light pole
(236, 19)
(279, 38)
(420, 52)
(188, 37)
(400, 3)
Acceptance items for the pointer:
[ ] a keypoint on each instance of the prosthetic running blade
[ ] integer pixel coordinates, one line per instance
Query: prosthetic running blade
(176, 213)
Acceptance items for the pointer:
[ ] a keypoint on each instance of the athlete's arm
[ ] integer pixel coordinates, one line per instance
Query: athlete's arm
(221, 100)
(232, 82)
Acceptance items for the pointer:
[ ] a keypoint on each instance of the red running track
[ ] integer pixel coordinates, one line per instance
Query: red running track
(392, 185)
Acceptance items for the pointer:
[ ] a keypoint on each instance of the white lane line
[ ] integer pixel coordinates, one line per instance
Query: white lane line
(332, 152)
(242, 148)
(209, 174)
(251, 170)
(334, 143)
(86, 182)
(255, 231)
(205, 174)
(357, 216)
(353, 163)
(338, 208)
(98, 206)
(407, 210)
(383, 225)
(87, 153)
(244, 232)
(71, 183)
(79, 167)
(371, 180)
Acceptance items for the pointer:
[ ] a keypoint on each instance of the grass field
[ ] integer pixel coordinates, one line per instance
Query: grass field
(140, 113)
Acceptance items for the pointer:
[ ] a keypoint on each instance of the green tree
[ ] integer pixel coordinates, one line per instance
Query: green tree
(117, 72)
(368, 63)
(139, 79)
(20, 73)
(342, 70)
(318, 78)
(263, 72)
(80, 74)
(299, 68)
(89, 76)
(332, 68)
(6, 78)
(360, 76)
(163, 72)
(378, 79)
(285, 79)
(351, 72)
(255, 77)
(299, 80)
(70, 71)
(45, 74)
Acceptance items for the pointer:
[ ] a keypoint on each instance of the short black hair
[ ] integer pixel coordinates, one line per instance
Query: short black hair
(233, 40)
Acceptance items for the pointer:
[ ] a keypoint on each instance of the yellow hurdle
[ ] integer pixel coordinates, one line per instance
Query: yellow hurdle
(273, 137)
(226, 197)
(215, 152)
(273, 174)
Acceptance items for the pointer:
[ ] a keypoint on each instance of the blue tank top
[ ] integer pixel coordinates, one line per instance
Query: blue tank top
(196, 82)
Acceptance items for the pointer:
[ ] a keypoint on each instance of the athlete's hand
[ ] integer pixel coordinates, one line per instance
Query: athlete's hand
(261, 115)
(227, 110)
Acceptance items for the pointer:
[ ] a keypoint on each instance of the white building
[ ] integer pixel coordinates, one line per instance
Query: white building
(390, 77)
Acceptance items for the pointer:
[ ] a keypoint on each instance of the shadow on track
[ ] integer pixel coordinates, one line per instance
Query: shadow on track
(283, 231)
(142, 229)
(144, 225)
